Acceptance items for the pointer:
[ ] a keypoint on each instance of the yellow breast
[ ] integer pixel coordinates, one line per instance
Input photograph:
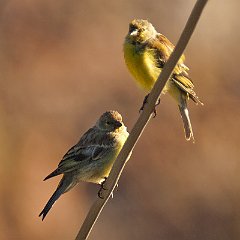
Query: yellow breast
(142, 65)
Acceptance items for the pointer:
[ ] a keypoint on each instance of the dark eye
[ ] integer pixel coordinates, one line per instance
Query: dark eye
(131, 28)
(108, 123)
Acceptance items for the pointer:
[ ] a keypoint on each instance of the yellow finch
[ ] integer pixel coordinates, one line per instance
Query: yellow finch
(91, 159)
(145, 52)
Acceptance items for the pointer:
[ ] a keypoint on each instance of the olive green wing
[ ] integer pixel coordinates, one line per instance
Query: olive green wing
(89, 148)
(163, 49)
(77, 156)
(185, 84)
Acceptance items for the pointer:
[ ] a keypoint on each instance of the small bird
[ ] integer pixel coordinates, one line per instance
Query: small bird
(91, 159)
(146, 51)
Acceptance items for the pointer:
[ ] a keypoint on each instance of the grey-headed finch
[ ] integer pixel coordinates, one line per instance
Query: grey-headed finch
(91, 159)
(146, 51)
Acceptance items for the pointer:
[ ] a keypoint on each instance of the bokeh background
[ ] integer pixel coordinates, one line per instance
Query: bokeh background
(61, 66)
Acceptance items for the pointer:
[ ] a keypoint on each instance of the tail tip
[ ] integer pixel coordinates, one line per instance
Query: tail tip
(46, 178)
(188, 138)
(42, 215)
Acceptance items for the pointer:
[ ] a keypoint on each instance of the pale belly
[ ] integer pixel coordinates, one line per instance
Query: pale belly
(96, 171)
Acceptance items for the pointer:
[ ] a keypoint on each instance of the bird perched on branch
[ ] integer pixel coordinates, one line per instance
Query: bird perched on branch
(91, 159)
(146, 51)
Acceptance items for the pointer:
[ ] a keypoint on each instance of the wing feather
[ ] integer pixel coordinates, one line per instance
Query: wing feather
(186, 85)
(163, 49)
(91, 147)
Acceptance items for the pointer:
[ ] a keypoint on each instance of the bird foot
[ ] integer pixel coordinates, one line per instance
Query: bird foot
(102, 188)
(100, 195)
(145, 101)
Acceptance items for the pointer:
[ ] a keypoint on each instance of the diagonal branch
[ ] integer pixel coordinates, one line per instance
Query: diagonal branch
(141, 123)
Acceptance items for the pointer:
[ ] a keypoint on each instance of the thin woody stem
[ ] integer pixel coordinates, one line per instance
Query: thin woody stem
(141, 123)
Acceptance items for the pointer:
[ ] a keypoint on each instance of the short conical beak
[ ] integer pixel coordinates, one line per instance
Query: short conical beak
(134, 33)
(118, 124)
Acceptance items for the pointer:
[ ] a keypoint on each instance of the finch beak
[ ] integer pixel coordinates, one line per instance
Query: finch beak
(134, 33)
(118, 124)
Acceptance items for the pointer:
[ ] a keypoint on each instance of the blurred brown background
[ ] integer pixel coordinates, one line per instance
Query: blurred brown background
(61, 66)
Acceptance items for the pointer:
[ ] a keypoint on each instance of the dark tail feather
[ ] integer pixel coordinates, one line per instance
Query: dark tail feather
(186, 121)
(64, 185)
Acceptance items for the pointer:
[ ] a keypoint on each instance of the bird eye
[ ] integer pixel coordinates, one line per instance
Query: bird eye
(108, 123)
(131, 28)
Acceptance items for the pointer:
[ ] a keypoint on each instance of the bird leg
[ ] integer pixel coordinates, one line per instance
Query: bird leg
(145, 101)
